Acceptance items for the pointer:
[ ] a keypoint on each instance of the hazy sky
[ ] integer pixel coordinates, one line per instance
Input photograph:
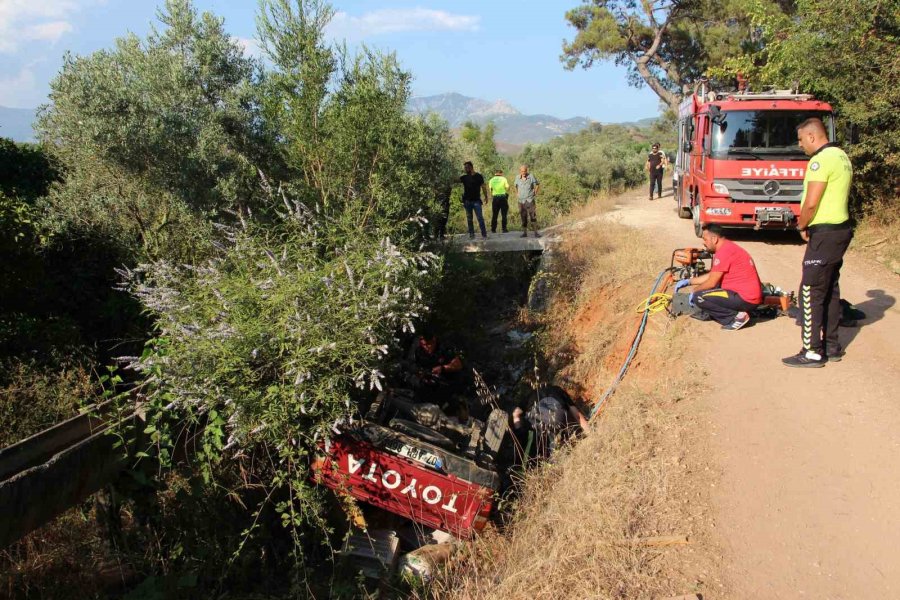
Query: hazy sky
(489, 49)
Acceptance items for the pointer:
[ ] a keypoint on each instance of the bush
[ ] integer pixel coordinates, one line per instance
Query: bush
(33, 397)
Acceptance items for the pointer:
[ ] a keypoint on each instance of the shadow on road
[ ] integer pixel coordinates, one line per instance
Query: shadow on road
(875, 307)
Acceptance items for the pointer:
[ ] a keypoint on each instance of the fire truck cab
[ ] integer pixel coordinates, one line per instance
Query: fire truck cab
(738, 161)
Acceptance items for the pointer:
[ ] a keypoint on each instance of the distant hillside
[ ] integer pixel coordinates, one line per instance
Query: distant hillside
(649, 121)
(15, 123)
(513, 127)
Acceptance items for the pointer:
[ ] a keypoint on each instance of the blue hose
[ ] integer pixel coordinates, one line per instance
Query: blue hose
(634, 347)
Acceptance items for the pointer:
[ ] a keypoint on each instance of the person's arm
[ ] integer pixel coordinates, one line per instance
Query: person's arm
(537, 186)
(647, 166)
(453, 366)
(579, 418)
(814, 192)
(707, 281)
(487, 194)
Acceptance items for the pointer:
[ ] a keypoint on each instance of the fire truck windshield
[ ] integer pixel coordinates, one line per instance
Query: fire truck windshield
(762, 134)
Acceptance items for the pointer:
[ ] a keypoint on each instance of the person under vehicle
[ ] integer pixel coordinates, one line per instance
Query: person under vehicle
(731, 289)
(434, 370)
(547, 419)
(824, 224)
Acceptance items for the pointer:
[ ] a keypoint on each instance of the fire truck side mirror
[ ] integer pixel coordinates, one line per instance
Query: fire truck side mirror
(687, 147)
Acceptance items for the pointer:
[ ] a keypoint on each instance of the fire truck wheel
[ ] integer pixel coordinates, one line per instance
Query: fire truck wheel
(684, 212)
(698, 226)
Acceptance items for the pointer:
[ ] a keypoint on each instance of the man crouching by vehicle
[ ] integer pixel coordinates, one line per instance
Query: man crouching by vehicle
(434, 371)
(732, 287)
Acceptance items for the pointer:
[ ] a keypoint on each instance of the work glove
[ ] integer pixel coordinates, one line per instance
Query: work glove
(691, 299)
(682, 283)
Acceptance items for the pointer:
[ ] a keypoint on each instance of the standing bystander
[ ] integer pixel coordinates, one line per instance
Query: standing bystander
(473, 186)
(656, 166)
(499, 199)
(527, 188)
(824, 223)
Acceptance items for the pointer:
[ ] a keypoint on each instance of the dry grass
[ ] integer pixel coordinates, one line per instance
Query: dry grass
(64, 559)
(878, 234)
(581, 525)
(599, 203)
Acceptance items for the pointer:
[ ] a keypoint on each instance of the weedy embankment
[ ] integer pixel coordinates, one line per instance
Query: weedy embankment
(621, 513)
(878, 234)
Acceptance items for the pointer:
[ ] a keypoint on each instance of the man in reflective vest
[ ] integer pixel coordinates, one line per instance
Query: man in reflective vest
(824, 223)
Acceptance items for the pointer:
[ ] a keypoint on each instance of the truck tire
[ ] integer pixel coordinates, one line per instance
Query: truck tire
(698, 226)
(684, 212)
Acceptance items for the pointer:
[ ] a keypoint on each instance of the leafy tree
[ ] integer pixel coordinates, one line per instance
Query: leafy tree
(156, 136)
(830, 51)
(270, 343)
(324, 104)
(482, 146)
(665, 44)
(598, 159)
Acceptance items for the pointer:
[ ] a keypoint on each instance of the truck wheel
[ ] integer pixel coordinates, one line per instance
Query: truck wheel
(698, 226)
(684, 212)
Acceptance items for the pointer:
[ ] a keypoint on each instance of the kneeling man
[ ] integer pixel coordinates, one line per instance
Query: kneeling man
(732, 287)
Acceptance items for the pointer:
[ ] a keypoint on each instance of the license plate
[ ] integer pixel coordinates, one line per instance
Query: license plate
(778, 214)
(413, 453)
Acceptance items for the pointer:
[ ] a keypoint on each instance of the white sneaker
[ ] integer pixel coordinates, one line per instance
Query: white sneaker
(741, 319)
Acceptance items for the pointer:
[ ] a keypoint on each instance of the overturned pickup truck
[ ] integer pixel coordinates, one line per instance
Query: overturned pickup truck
(412, 460)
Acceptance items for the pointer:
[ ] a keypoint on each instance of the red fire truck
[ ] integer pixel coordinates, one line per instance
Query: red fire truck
(738, 162)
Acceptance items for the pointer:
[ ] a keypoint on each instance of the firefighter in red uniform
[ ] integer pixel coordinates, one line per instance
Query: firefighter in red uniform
(732, 287)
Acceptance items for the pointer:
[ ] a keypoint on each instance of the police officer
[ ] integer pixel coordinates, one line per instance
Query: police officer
(824, 223)
(499, 186)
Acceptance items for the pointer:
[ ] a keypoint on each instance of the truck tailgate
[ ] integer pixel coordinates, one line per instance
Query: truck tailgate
(409, 478)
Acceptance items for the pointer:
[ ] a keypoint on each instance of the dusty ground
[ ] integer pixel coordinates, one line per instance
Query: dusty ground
(804, 493)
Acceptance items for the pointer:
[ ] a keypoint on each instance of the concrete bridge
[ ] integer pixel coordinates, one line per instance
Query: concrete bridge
(505, 242)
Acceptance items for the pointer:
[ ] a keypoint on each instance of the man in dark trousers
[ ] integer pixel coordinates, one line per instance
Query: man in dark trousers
(656, 166)
(824, 223)
(527, 188)
(499, 199)
(732, 287)
(473, 187)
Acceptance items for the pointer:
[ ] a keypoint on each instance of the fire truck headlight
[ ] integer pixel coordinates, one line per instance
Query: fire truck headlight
(720, 188)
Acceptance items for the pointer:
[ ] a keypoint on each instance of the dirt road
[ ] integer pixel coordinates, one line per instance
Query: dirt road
(807, 498)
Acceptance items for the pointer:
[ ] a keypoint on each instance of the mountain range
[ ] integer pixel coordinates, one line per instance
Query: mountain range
(513, 127)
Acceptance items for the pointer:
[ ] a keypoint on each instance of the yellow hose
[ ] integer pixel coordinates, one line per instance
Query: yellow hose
(658, 302)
